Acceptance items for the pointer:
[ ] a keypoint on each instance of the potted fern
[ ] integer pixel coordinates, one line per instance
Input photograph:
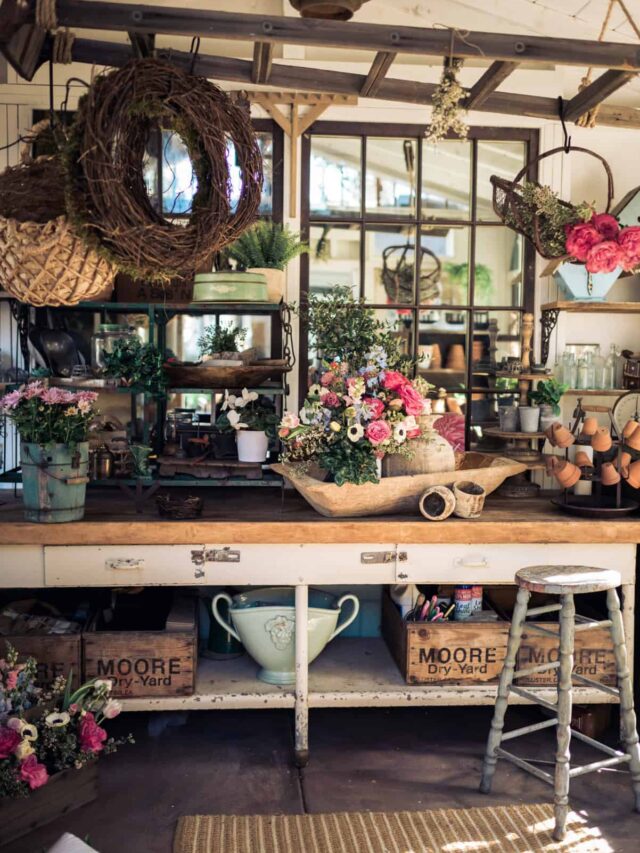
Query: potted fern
(267, 247)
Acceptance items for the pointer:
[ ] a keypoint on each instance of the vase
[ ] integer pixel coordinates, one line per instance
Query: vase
(275, 282)
(469, 499)
(64, 792)
(437, 503)
(252, 445)
(54, 481)
(547, 418)
(508, 418)
(585, 286)
(431, 454)
(529, 418)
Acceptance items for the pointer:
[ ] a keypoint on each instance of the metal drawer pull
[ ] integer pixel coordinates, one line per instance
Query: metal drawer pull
(369, 557)
(118, 564)
(222, 555)
(473, 562)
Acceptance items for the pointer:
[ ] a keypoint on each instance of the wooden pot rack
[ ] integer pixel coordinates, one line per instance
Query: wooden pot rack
(27, 46)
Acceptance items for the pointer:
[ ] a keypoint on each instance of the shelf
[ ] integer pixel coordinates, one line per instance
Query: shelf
(269, 479)
(178, 307)
(575, 307)
(350, 673)
(265, 389)
(497, 433)
(597, 392)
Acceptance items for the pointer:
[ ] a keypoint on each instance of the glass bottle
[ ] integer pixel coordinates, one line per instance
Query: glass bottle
(582, 374)
(598, 369)
(610, 365)
(569, 370)
(591, 373)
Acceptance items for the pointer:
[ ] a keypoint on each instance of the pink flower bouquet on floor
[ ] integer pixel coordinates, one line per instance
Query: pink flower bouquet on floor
(45, 732)
(351, 419)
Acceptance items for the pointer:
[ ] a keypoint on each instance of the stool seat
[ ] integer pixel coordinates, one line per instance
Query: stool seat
(567, 580)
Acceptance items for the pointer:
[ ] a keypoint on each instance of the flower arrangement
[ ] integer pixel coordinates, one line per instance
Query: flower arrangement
(43, 733)
(247, 411)
(48, 416)
(602, 245)
(351, 419)
(448, 114)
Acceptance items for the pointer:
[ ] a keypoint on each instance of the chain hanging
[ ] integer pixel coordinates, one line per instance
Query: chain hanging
(288, 350)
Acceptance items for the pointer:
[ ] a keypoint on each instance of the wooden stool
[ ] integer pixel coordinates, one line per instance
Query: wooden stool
(565, 581)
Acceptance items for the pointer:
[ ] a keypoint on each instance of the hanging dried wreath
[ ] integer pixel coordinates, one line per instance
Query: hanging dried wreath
(447, 116)
(107, 196)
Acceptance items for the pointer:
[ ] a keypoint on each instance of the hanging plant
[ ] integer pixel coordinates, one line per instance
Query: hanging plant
(448, 115)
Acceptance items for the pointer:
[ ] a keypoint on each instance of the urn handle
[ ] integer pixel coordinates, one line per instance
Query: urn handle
(356, 609)
(224, 596)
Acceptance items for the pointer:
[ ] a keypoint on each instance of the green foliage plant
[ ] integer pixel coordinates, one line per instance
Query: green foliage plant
(549, 393)
(266, 245)
(139, 365)
(221, 339)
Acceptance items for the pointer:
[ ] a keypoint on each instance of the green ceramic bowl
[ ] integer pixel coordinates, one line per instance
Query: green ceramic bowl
(264, 621)
(230, 287)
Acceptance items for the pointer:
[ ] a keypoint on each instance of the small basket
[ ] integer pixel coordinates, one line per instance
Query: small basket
(436, 503)
(179, 508)
(470, 498)
(514, 212)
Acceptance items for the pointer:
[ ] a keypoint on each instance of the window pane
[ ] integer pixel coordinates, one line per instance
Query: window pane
(496, 336)
(265, 144)
(446, 179)
(445, 265)
(499, 266)
(495, 158)
(442, 345)
(335, 175)
(334, 257)
(179, 184)
(389, 264)
(401, 321)
(391, 176)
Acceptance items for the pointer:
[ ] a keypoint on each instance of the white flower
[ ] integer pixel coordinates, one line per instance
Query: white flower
(249, 396)
(399, 433)
(229, 401)
(112, 708)
(23, 750)
(410, 423)
(103, 684)
(314, 391)
(58, 719)
(290, 420)
(29, 731)
(234, 419)
(355, 432)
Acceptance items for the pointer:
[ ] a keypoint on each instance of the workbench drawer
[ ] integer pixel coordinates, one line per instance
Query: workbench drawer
(497, 564)
(22, 566)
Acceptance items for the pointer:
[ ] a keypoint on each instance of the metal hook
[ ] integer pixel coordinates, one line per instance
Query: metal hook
(194, 50)
(567, 139)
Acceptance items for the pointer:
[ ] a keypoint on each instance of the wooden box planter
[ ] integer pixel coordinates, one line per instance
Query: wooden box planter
(446, 652)
(146, 663)
(63, 793)
(56, 654)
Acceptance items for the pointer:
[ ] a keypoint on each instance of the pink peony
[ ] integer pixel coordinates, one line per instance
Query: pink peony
(33, 773)
(605, 224)
(629, 240)
(580, 239)
(91, 735)
(11, 400)
(331, 400)
(34, 389)
(9, 740)
(412, 400)
(378, 431)
(375, 407)
(52, 396)
(394, 380)
(327, 379)
(604, 257)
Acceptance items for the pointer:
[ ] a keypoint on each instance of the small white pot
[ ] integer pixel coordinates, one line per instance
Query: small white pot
(275, 282)
(529, 418)
(252, 445)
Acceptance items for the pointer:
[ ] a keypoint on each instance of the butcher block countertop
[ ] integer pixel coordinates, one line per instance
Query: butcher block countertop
(265, 516)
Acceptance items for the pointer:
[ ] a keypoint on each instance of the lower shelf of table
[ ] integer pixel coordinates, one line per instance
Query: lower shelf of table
(350, 673)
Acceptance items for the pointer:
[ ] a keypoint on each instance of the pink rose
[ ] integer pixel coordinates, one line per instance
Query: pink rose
(414, 433)
(283, 432)
(394, 380)
(375, 407)
(580, 239)
(33, 773)
(327, 379)
(604, 257)
(90, 734)
(378, 431)
(412, 400)
(11, 679)
(9, 740)
(606, 224)
(629, 241)
(331, 400)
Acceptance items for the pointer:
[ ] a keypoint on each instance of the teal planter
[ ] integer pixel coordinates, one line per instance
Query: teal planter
(583, 286)
(54, 481)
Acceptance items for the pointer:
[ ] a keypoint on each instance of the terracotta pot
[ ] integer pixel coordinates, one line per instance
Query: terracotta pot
(436, 356)
(625, 460)
(609, 474)
(470, 499)
(633, 478)
(583, 460)
(563, 437)
(567, 474)
(552, 463)
(602, 440)
(436, 503)
(477, 351)
(550, 433)
(455, 357)
(589, 426)
(633, 441)
(629, 427)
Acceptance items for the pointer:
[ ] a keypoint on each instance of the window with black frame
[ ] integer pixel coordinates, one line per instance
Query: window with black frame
(410, 227)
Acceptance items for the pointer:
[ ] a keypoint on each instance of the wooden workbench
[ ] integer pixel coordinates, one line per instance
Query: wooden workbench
(246, 537)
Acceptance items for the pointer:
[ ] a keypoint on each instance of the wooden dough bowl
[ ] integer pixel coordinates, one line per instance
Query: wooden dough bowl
(247, 376)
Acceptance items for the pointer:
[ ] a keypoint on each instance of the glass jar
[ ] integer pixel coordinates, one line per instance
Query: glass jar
(569, 370)
(103, 341)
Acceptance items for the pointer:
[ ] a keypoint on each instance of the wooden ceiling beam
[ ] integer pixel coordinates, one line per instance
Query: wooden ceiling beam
(142, 44)
(596, 92)
(25, 50)
(342, 83)
(381, 64)
(262, 61)
(494, 75)
(422, 41)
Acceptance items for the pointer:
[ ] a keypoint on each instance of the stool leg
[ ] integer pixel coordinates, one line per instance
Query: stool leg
(627, 712)
(506, 677)
(563, 752)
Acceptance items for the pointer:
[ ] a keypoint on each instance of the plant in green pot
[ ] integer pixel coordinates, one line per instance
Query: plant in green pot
(54, 452)
(254, 422)
(267, 247)
(548, 395)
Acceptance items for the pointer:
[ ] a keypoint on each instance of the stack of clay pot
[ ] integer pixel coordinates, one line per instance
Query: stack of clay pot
(629, 470)
(559, 436)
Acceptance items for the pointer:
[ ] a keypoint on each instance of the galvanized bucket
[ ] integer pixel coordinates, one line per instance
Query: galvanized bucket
(54, 481)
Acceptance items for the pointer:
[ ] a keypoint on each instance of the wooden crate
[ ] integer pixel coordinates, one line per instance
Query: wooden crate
(593, 656)
(57, 654)
(446, 652)
(147, 663)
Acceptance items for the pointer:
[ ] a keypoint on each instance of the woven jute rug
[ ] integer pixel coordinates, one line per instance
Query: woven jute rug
(510, 829)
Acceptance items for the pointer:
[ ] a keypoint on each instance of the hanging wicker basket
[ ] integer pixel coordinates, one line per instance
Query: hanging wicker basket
(517, 213)
(43, 261)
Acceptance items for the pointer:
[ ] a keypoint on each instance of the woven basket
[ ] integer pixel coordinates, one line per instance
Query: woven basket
(514, 212)
(48, 264)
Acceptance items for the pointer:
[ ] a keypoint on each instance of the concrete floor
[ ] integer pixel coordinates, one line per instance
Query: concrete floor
(240, 762)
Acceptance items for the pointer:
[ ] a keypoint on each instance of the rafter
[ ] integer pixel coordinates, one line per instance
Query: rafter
(143, 44)
(489, 82)
(98, 14)
(262, 60)
(381, 64)
(595, 92)
(24, 50)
